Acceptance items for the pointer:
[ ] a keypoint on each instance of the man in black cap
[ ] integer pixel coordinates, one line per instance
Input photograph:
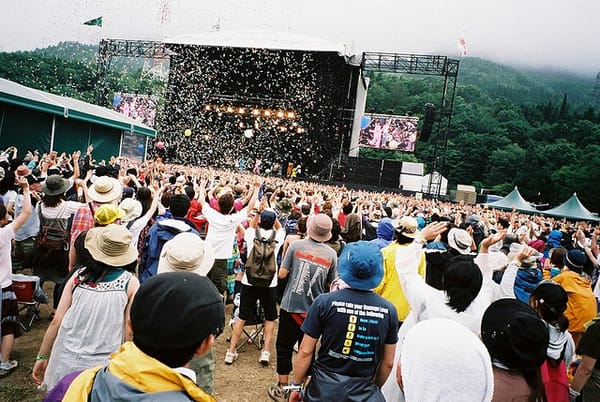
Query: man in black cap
(174, 317)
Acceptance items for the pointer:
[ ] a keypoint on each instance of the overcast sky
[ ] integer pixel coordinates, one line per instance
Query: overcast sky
(563, 34)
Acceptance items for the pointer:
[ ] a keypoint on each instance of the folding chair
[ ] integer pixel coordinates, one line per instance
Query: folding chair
(25, 289)
(254, 330)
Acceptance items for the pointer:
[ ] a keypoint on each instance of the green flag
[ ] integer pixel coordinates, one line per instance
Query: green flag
(95, 21)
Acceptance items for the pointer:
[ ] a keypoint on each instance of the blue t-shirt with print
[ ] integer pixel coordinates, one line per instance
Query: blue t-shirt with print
(353, 326)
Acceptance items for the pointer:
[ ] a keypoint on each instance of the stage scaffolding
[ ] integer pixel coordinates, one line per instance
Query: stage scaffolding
(109, 48)
(424, 65)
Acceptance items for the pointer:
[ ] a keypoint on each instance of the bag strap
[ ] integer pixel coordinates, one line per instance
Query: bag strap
(273, 233)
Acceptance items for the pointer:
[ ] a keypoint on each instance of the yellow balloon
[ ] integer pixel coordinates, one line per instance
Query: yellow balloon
(188, 132)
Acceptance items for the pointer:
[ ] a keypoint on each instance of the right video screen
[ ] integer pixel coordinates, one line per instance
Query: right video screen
(397, 133)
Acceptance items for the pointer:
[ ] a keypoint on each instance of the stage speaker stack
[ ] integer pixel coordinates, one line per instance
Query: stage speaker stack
(427, 122)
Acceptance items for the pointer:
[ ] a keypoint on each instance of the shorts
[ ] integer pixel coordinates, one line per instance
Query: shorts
(10, 313)
(248, 297)
(218, 275)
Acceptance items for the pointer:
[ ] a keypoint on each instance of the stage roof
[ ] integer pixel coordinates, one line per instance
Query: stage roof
(572, 209)
(20, 95)
(261, 40)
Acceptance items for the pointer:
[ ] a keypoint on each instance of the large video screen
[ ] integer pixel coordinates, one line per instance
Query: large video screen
(141, 108)
(396, 133)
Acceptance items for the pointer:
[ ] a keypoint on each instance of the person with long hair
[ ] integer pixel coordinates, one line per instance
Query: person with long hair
(53, 264)
(90, 319)
(517, 340)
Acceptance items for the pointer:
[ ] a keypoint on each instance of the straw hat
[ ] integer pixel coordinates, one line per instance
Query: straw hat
(111, 245)
(105, 189)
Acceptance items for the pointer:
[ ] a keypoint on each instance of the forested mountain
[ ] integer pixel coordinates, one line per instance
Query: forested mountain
(534, 129)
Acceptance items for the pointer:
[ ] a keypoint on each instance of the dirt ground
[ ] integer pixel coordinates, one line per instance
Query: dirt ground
(244, 380)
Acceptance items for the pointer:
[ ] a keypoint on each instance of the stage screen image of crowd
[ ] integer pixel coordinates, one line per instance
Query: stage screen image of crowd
(139, 107)
(397, 133)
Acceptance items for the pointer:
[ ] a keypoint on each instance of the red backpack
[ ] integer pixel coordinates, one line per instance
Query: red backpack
(554, 377)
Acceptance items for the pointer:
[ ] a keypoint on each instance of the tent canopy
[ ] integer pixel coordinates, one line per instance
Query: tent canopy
(513, 200)
(572, 209)
(29, 98)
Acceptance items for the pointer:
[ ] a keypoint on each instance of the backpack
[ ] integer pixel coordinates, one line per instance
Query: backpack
(554, 377)
(153, 243)
(54, 232)
(261, 262)
(291, 226)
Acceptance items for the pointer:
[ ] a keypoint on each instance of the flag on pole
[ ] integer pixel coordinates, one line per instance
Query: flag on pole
(95, 21)
(462, 46)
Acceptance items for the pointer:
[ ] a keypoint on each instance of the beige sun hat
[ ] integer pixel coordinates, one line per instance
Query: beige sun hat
(133, 209)
(105, 189)
(186, 252)
(111, 244)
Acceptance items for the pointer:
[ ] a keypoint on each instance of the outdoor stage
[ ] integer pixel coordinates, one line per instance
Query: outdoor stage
(287, 98)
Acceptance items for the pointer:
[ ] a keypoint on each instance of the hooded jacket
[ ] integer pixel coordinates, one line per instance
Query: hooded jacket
(581, 306)
(160, 233)
(133, 376)
(385, 233)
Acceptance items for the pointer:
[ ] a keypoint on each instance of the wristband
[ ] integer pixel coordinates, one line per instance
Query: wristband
(41, 357)
(573, 393)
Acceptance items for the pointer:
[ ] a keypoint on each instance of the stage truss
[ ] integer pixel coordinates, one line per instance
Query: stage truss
(110, 48)
(424, 65)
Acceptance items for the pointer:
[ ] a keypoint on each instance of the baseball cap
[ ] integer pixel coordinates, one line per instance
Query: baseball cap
(176, 310)
(267, 219)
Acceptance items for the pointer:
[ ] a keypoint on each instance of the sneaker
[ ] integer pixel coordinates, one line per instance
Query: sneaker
(230, 357)
(8, 367)
(264, 357)
(278, 394)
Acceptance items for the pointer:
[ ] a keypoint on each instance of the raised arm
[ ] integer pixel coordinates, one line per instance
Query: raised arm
(26, 212)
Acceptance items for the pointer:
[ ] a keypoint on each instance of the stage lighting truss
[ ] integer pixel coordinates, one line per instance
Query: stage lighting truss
(251, 117)
(280, 114)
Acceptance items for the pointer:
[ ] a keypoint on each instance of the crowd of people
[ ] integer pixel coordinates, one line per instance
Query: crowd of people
(404, 298)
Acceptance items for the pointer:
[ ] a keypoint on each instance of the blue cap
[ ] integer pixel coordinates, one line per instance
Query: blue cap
(361, 265)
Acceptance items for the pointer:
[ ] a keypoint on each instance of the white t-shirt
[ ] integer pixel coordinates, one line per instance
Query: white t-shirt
(136, 228)
(221, 230)
(6, 236)
(265, 234)
(65, 209)
(9, 197)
